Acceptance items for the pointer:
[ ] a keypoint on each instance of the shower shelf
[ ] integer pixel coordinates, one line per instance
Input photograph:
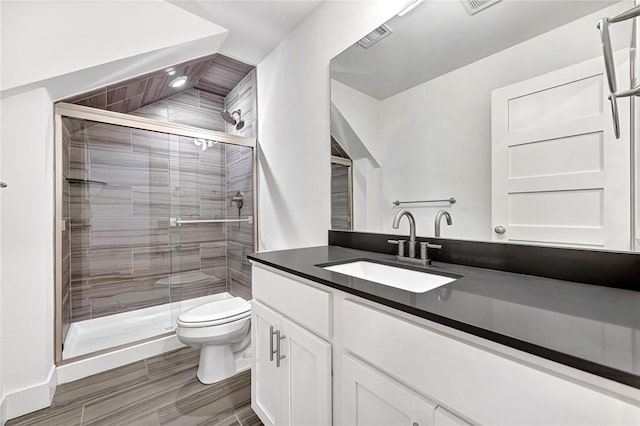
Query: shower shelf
(85, 182)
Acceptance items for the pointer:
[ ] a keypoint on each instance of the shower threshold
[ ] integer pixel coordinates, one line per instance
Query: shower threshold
(98, 334)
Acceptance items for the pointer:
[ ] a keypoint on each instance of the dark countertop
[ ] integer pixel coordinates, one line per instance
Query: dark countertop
(588, 327)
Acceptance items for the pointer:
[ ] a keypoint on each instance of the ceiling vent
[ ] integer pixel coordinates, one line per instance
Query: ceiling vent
(376, 35)
(475, 6)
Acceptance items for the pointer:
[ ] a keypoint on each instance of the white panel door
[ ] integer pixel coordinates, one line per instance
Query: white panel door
(558, 174)
(306, 376)
(265, 376)
(371, 398)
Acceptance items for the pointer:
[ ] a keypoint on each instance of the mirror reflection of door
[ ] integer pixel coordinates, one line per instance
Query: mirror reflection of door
(341, 188)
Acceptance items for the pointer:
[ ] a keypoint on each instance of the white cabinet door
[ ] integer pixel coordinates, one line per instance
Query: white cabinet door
(295, 389)
(265, 376)
(306, 376)
(559, 176)
(371, 398)
(444, 418)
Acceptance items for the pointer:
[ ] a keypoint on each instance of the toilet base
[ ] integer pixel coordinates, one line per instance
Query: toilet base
(217, 362)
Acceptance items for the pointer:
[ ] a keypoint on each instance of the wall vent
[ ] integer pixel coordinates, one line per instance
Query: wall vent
(475, 6)
(376, 35)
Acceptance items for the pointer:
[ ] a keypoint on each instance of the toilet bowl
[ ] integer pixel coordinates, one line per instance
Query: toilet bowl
(221, 330)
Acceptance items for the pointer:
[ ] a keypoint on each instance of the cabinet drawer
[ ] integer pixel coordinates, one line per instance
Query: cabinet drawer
(304, 304)
(481, 385)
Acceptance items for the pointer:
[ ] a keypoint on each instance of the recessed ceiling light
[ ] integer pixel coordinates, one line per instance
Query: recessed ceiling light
(178, 81)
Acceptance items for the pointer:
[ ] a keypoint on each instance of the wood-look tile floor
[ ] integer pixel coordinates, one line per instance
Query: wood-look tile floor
(162, 390)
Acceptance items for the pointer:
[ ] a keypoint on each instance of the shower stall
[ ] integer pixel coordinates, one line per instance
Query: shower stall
(152, 218)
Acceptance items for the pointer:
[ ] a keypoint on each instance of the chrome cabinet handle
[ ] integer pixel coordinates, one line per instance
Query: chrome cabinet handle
(271, 351)
(500, 229)
(279, 357)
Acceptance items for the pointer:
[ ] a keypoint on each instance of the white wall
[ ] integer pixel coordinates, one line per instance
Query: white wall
(437, 136)
(27, 255)
(56, 59)
(293, 130)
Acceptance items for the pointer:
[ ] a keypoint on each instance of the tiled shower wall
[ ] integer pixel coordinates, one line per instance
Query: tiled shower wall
(124, 256)
(240, 179)
(192, 107)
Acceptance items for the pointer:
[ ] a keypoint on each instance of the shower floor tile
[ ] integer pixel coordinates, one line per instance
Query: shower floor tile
(162, 390)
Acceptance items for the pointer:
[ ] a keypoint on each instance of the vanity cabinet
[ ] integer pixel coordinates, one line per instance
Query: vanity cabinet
(390, 367)
(291, 367)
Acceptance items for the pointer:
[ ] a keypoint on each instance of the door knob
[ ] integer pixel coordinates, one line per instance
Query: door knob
(3, 185)
(500, 229)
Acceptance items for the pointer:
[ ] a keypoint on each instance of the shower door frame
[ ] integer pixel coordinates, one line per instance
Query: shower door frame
(63, 109)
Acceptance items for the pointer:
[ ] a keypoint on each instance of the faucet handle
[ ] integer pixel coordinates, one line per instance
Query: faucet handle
(400, 244)
(424, 253)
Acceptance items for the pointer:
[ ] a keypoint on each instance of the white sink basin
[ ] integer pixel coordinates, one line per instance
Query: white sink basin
(405, 279)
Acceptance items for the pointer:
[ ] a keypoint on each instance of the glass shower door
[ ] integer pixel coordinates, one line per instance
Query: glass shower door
(198, 234)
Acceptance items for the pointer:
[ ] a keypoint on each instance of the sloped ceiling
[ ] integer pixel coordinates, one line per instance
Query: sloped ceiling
(255, 27)
(216, 74)
(42, 40)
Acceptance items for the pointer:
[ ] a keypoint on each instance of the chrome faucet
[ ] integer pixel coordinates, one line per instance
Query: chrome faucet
(424, 257)
(412, 229)
(439, 218)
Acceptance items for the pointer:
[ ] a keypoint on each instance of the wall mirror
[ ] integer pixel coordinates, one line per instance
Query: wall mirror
(499, 116)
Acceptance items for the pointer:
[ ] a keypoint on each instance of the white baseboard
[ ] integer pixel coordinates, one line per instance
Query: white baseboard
(30, 399)
(97, 364)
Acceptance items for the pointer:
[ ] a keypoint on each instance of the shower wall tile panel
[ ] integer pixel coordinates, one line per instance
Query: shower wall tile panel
(110, 201)
(194, 116)
(191, 107)
(150, 144)
(151, 201)
(117, 232)
(122, 168)
(158, 111)
(223, 75)
(122, 93)
(199, 233)
(243, 97)
(213, 255)
(211, 101)
(239, 176)
(108, 137)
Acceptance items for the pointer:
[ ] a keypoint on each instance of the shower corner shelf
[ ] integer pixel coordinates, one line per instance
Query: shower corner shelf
(85, 182)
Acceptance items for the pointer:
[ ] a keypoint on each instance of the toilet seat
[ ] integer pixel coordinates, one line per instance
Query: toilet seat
(216, 313)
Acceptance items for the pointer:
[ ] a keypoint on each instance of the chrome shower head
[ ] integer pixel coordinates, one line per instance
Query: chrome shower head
(230, 117)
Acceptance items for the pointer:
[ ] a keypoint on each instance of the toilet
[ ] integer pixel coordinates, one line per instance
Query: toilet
(222, 331)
